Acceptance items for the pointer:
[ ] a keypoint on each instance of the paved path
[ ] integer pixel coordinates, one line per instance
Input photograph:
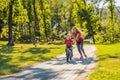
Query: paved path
(57, 69)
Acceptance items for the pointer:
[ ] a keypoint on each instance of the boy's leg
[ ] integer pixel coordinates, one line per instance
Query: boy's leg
(71, 53)
(67, 55)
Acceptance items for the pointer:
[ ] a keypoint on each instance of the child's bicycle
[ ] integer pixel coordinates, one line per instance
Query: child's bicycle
(69, 54)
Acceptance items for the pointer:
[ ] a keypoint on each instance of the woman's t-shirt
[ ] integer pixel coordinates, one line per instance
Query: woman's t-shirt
(75, 35)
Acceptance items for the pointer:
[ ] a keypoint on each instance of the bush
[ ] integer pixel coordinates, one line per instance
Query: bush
(25, 39)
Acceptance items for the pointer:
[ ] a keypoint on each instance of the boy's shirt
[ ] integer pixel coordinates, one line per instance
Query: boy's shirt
(68, 42)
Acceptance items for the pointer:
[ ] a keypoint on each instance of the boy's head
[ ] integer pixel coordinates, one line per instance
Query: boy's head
(68, 36)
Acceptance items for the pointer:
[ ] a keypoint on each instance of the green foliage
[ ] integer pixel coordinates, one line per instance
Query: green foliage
(45, 19)
(109, 29)
(24, 39)
(54, 17)
(3, 4)
(4, 33)
(110, 32)
(57, 17)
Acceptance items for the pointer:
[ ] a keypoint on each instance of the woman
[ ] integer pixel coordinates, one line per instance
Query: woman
(79, 41)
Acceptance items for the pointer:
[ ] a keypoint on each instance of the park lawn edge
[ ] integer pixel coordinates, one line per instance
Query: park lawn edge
(107, 67)
(45, 52)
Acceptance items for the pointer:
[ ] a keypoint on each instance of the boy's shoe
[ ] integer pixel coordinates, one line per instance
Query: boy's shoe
(67, 60)
(70, 58)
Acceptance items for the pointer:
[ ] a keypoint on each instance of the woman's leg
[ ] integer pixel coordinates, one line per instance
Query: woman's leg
(81, 47)
(78, 47)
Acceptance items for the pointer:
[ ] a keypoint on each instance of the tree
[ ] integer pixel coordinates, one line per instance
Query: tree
(57, 15)
(10, 37)
(31, 20)
(30, 12)
(69, 13)
(1, 26)
(20, 19)
(3, 14)
(36, 21)
(45, 20)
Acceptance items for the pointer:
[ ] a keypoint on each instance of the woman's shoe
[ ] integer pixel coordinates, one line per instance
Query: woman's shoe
(81, 57)
(85, 55)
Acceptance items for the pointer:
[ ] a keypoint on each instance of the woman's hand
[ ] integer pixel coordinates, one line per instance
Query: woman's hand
(77, 37)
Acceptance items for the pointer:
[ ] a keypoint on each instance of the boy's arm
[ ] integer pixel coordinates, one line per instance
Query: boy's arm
(72, 41)
(64, 41)
(72, 35)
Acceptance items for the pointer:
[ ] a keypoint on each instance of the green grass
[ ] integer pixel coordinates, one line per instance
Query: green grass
(12, 59)
(108, 66)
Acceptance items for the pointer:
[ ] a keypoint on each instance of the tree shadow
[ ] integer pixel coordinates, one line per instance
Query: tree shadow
(57, 43)
(72, 62)
(6, 49)
(33, 73)
(37, 50)
(5, 66)
(32, 58)
(88, 61)
(106, 56)
(85, 61)
(4, 59)
(54, 48)
(62, 61)
(58, 61)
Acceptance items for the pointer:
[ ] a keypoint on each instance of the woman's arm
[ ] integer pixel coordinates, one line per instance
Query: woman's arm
(78, 35)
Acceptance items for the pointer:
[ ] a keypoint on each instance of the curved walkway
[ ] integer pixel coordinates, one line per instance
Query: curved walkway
(58, 69)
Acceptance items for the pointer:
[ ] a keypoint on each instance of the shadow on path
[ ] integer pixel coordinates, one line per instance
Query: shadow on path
(33, 73)
(55, 69)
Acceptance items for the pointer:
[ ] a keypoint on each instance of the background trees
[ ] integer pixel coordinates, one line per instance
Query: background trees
(109, 28)
(32, 21)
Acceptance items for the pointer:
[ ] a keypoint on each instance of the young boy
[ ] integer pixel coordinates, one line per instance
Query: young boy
(68, 41)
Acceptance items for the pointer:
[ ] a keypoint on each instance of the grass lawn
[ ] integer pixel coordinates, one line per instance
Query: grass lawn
(108, 66)
(12, 59)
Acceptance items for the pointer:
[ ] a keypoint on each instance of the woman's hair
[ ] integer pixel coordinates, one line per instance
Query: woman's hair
(74, 28)
(79, 30)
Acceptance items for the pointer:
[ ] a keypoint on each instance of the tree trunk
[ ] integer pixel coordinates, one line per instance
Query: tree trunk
(70, 18)
(112, 17)
(36, 23)
(111, 10)
(90, 29)
(93, 39)
(44, 19)
(10, 41)
(30, 34)
(92, 33)
(46, 35)
(84, 3)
